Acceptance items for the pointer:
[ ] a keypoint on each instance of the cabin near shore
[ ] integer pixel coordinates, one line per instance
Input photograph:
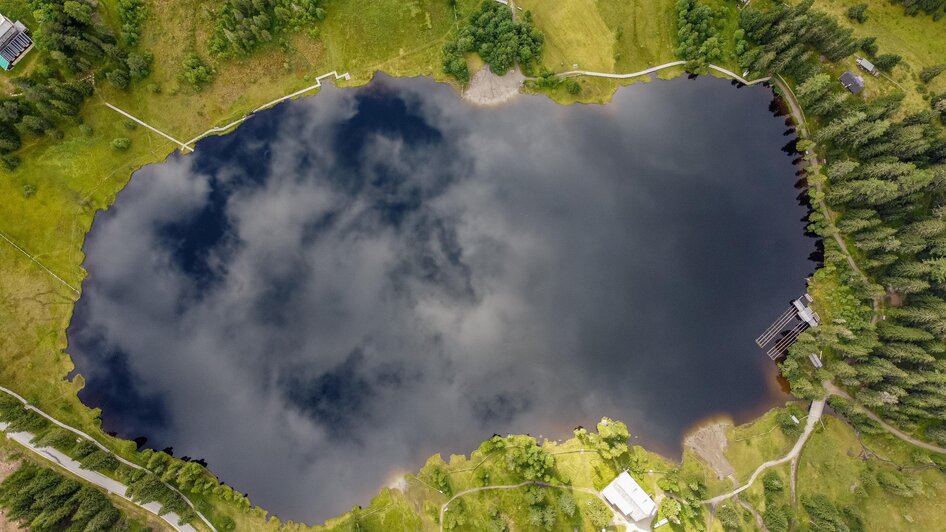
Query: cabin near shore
(15, 42)
(629, 498)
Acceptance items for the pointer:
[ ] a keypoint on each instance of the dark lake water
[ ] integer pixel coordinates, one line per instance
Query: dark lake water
(354, 281)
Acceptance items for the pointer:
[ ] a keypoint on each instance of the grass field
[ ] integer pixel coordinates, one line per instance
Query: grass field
(832, 464)
(757, 442)
(605, 35)
(644, 32)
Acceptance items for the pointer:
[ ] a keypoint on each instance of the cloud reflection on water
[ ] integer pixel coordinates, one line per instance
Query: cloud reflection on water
(354, 281)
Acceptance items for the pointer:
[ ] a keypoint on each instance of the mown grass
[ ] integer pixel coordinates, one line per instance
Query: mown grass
(576, 35)
(644, 32)
(605, 35)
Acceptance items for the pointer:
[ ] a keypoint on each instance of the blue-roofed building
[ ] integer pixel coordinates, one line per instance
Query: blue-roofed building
(14, 42)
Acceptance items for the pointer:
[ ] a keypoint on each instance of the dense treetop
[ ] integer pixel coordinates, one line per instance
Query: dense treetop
(244, 25)
(499, 40)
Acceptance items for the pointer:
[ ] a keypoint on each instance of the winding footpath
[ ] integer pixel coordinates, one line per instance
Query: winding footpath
(833, 389)
(98, 479)
(814, 415)
(799, 117)
(658, 68)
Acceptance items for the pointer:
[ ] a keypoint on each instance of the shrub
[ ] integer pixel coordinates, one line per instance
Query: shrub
(929, 73)
(868, 45)
(886, 62)
(121, 143)
(572, 86)
(599, 514)
(772, 482)
(787, 424)
(119, 78)
(195, 71)
(132, 13)
(775, 518)
(10, 162)
(729, 518)
(139, 65)
(857, 13)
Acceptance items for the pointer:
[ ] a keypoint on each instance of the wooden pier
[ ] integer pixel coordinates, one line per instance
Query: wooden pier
(781, 334)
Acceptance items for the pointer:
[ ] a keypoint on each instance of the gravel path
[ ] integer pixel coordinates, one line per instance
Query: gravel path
(657, 68)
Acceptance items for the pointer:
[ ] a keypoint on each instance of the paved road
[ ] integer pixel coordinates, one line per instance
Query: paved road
(78, 432)
(814, 415)
(108, 484)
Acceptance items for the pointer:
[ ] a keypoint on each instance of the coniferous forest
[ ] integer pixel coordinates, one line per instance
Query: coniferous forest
(884, 180)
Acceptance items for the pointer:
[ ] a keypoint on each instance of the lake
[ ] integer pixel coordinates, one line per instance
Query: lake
(354, 281)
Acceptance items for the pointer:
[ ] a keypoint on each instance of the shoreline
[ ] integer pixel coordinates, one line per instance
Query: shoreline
(234, 126)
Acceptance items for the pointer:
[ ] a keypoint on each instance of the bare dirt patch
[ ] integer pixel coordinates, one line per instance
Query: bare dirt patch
(709, 443)
(894, 299)
(487, 88)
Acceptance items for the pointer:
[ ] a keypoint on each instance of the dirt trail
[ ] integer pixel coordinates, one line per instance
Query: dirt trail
(834, 390)
(814, 415)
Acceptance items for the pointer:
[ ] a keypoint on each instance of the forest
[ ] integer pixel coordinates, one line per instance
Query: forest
(143, 486)
(44, 500)
(884, 177)
(697, 33)
(79, 45)
(499, 40)
(242, 26)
